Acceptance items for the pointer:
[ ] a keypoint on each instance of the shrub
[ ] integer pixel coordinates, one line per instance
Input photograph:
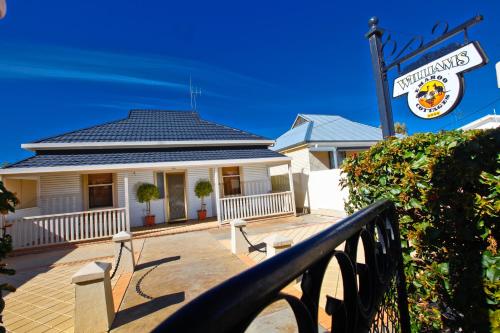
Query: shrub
(146, 193)
(446, 190)
(8, 202)
(203, 189)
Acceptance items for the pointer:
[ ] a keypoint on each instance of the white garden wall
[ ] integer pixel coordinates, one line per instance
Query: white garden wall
(325, 193)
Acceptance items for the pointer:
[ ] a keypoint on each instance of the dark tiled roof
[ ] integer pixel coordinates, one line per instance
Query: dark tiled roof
(127, 156)
(153, 125)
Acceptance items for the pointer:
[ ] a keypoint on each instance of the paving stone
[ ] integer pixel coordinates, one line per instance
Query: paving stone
(58, 320)
(11, 319)
(17, 325)
(50, 316)
(65, 325)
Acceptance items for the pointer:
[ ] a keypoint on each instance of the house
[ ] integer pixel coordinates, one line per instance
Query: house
(82, 184)
(486, 122)
(317, 145)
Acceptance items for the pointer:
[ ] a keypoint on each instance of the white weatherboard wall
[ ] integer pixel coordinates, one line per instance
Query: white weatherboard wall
(326, 195)
(137, 209)
(256, 179)
(60, 193)
(193, 203)
(63, 192)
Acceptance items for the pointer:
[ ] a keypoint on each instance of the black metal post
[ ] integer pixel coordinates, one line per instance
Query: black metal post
(374, 36)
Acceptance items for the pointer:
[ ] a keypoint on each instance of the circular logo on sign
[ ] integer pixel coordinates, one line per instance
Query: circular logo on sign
(431, 94)
(435, 96)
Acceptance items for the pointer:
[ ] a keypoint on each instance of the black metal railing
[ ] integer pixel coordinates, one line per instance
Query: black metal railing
(374, 293)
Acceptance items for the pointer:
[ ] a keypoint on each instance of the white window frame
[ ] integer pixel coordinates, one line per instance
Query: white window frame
(231, 176)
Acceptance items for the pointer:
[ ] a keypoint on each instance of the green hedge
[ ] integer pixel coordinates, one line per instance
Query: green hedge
(446, 188)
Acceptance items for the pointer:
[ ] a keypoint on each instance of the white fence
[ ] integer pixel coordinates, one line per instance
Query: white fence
(325, 192)
(52, 229)
(260, 205)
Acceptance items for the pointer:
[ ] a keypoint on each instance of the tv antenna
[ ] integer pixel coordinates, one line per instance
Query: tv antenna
(194, 92)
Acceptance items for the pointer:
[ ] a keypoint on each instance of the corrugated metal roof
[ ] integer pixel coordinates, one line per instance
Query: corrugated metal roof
(127, 156)
(326, 128)
(154, 125)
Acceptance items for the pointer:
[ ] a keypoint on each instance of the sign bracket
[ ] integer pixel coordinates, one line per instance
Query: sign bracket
(447, 35)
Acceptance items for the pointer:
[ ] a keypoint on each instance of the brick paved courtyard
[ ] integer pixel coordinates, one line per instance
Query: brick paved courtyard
(172, 268)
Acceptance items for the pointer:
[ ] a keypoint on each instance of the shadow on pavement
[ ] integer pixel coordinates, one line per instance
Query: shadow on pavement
(156, 262)
(138, 311)
(257, 247)
(154, 265)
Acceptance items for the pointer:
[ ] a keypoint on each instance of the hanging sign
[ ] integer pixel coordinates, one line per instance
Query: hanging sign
(436, 88)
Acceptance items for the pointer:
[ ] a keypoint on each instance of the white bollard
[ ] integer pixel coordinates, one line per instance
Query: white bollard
(276, 244)
(94, 309)
(238, 243)
(127, 260)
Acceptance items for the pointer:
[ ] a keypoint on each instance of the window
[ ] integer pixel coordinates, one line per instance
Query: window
(231, 181)
(341, 156)
(26, 191)
(100, 187)
(160, 183)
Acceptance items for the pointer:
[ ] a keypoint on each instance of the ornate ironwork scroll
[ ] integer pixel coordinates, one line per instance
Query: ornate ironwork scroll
(416, 46)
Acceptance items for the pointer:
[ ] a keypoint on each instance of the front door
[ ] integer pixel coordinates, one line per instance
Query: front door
(176, 200)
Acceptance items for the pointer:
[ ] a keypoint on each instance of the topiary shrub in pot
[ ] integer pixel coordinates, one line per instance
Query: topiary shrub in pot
(145, 194)
(203, 189)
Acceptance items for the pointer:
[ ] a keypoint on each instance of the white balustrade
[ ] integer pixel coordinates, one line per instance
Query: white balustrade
(52, 229)
(260, 205)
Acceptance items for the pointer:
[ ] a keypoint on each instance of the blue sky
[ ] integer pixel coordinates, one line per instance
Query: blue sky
(71, 64)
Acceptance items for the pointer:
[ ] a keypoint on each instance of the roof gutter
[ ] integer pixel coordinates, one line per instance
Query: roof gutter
(135, 166)
(141, 144)
(326, 143)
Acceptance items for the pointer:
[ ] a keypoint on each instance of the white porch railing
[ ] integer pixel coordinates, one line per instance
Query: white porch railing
(43, 230)
(259, 205)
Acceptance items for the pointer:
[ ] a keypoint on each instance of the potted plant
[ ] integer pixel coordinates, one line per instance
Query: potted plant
(203, 189)
(145, 193)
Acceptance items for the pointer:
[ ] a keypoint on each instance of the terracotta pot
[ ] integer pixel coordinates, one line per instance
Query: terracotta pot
(149, 220)
(202, 214)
